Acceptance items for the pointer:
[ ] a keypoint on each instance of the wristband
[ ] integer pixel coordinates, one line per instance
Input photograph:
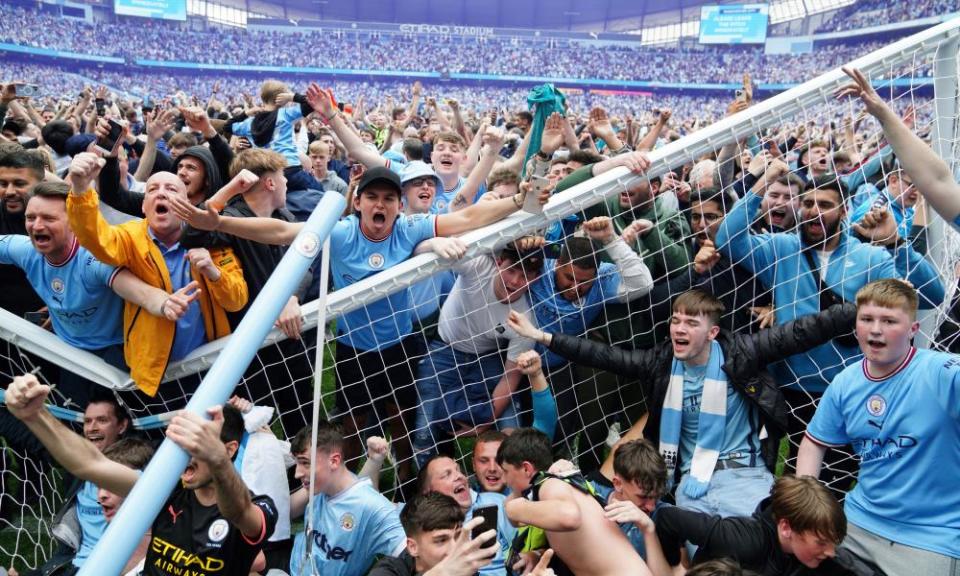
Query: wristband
(518, 200)
(163, 304)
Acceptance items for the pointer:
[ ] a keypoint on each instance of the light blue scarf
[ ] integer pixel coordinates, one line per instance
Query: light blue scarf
(712, 423)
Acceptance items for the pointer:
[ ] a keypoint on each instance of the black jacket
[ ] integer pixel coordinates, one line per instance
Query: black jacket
(752, 541)
(216, 162)
(257, 259)
(745, 357)
(403, 565)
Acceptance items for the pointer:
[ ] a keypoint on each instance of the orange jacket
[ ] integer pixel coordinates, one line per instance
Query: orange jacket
(148, 339)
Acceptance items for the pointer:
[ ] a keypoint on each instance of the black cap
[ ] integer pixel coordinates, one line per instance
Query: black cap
(380, 174)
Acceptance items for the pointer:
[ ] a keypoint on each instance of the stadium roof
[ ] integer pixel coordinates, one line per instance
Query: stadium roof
(530, 14)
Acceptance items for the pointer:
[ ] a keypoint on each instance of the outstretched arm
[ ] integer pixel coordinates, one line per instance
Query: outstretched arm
(264, 230)
(929, 172)
(25, 398)
(322, 102)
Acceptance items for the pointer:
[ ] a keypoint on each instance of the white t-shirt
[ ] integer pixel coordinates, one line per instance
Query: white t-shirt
(472, 314)
(824, 258)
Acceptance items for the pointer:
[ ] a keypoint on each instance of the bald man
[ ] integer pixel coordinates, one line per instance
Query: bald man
(150, 248)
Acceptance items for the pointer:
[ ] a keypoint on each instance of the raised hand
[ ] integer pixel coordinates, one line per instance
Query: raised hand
(84, 169)
(878, 226)
(706, 258)
(493, 137)
(600, 229)
(599, 124)
(197, 120)
(861, 88)
(468, 554)
(201, 260)
(200, 437)
(552, 136)
(529, 363)
(520, 324)
(321, 100)
(637, 229)
(159, 123)
(25, 396)
(377, 448)
(283, 98)
(199, 218)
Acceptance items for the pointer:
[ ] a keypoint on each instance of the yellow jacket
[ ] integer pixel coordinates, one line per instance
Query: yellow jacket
(148, 339)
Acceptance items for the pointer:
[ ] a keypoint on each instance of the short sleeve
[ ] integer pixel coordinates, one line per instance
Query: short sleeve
(14, 249)
(827, 426)
(96, 273)
(242, 128)
(418, 227)
(291, 113)
(387, 533)
(269, 509)
(341, 233)
(948, 385)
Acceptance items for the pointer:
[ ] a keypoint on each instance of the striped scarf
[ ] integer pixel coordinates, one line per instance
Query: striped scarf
(712, 423)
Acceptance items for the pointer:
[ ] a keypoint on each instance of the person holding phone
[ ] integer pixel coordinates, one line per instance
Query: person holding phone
(443, 475)
(439, 542)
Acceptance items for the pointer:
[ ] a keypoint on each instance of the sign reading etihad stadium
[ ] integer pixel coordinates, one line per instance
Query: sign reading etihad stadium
(447, 30)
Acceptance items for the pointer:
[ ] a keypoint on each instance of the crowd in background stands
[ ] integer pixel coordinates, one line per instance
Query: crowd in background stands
(876, 12)
(373, 51)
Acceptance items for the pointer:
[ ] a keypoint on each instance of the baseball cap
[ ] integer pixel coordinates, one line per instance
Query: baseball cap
(419, 169)
(380, 175)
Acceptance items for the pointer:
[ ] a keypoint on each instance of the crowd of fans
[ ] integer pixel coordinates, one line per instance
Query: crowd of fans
(322, 49)
(864, 13)
(622, 383)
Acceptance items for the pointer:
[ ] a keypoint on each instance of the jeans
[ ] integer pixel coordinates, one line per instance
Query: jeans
(454, 387)
(732, 492)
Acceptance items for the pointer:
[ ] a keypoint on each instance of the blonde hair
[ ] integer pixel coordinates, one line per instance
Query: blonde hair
(260, 161)
(890, 293)
(270, 89)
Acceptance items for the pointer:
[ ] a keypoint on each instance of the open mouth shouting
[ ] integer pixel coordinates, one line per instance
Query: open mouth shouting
(778, 216)
(41, 240)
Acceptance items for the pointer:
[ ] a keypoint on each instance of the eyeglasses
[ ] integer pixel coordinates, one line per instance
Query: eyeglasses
(418, 182)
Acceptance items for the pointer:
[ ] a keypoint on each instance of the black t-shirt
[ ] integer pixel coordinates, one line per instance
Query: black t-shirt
(403, 565)
(190, 539)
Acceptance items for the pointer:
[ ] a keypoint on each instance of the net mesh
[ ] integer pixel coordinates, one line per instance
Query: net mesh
(437, 388)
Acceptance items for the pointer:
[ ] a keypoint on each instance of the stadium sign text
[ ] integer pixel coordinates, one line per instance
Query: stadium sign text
(447, 30)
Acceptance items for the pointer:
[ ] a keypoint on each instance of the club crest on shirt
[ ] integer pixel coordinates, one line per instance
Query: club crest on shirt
(57, 285)
(218, 530)
(347, 522)
(375, 260)
(876, 405)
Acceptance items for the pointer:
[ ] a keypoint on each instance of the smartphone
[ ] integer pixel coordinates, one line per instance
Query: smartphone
(26, 90)
(490, 515)
(531, 204)
(107, 143)
(38, 318)
(740, 94)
